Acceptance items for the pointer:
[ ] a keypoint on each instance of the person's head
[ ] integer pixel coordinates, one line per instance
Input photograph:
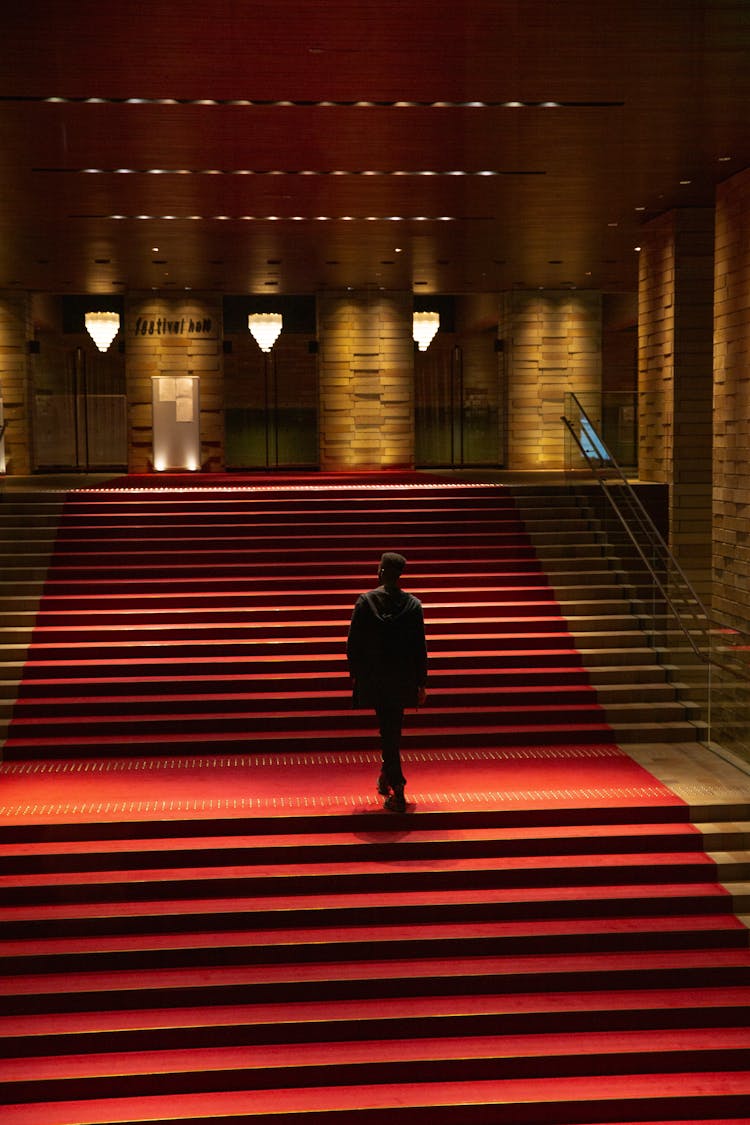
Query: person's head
(391, 568)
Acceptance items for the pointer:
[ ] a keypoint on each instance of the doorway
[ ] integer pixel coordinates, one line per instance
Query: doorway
(459, 405)
(80, 408)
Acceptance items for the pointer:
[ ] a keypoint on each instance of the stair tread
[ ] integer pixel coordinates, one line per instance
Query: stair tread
(559, 1092)
(368, 900)
(367, 934)
(394, 1008)
(664, 861)
(330, 1055)
(391, 970)
(315, 840)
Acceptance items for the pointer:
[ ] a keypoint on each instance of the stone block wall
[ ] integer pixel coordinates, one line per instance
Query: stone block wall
(675, 362)
(552, 346)
(171, 335)
(15, 377)
(366, 418)
(731, 477)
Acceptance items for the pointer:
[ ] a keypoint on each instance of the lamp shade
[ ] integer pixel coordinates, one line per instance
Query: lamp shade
(425, 326)
(102, 327)
(265, 328)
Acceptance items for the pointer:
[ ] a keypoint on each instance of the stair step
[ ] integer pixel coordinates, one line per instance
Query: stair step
(369, 979)
(382, 1018)
(422, 843)
(429, 940)
(78, 915)
(429, 1060)
(548, 1101)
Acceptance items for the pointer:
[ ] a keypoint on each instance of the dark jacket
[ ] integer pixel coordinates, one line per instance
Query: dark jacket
(386, 648)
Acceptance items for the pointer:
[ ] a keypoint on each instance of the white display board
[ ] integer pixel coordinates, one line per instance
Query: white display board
(176, 422)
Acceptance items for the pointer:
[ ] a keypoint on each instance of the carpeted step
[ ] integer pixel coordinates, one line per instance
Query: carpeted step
(387, 1018)
(296, 982)
(225, 699)
(355, 876)
(429, 1060)
(58, 918)
(342, 722)
(150, 952)
(91, 853)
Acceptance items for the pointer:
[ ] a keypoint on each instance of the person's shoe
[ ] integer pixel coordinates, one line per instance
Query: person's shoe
(384, 788)
(396, 802)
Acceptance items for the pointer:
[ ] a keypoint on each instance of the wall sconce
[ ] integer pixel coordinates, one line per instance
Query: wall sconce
(425, 325)
(265, 328)
(102, 327)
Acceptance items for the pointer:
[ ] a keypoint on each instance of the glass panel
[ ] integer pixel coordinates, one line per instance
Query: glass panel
(434, 406)
(708, 658)
(457, 397)
(54, 431)
(80, 409)
(271, 404)
(295, 405)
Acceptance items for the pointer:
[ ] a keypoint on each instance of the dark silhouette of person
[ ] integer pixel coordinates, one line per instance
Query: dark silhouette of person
(387, 654)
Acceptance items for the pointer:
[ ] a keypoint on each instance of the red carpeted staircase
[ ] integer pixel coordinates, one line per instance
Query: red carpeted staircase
(207, 917)
(172, 617)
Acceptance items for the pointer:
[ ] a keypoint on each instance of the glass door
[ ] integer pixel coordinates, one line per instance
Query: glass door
(271, 404)
(459, 399)
(80, 408)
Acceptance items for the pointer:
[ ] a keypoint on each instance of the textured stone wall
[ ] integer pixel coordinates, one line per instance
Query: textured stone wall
(675, 345)
(731, 534)
(171, 335)
(15, 332)
(552, 346)
(366, 380)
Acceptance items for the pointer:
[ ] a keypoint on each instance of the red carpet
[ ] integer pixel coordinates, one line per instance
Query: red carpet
(180, 621)
(206, 916)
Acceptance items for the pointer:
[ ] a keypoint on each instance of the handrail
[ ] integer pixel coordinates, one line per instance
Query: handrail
(599, 452)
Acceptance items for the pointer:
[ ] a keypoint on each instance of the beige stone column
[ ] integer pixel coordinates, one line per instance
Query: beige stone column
(552, 346)
(366, 380)
(15, 381)
(731, 481)
(675, 329)
(174, 335)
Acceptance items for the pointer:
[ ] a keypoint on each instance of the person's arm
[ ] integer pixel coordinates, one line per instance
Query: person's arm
(422, 661)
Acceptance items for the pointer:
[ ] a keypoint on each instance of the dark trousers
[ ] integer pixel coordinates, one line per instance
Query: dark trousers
(390, 720)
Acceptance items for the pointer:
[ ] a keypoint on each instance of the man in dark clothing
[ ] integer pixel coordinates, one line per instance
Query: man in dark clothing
(387, 655)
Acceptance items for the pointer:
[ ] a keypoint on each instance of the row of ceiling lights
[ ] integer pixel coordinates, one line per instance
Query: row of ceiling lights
(282, 172)
(293, 218)
(265, 328)
(299, 104)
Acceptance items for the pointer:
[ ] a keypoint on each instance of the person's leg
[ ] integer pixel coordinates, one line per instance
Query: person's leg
(390, 722)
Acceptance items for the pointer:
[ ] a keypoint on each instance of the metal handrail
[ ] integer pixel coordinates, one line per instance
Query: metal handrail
(655, 541)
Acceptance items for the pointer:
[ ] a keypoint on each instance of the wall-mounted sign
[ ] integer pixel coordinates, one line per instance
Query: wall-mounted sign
(180, 326)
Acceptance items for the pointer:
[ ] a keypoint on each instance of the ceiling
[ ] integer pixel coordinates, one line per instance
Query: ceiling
(225, 146)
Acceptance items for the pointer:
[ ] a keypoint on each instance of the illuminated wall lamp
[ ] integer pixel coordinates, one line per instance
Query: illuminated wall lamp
(102, 328)
(425, 326)
(265, 328)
